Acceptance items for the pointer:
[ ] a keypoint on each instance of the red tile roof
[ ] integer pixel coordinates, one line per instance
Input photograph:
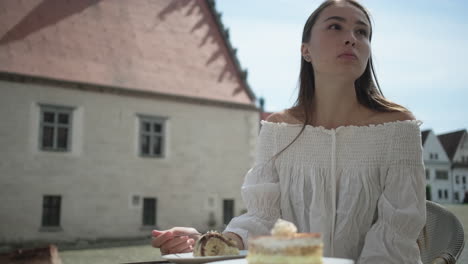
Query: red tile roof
(176, 47)
(265, 115)
(450, 142)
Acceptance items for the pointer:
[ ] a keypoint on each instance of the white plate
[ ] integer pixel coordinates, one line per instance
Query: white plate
(325, 261)
(189, 258)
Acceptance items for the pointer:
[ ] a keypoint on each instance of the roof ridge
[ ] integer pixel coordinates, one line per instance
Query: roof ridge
(450, 141)
(233, 51)
(453, 132)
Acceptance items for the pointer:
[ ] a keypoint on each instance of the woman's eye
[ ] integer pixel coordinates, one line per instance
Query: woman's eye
(362, 32)
(335, 26)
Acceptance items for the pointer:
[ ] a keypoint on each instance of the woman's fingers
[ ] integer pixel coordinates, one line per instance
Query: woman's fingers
(161, 239)
(189, 249)
(191, 241)
(182, 248)
(171, 244)
(183, 231)
(171, 241)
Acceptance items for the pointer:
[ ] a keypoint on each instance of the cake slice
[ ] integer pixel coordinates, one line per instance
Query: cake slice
(215, 244)
(285, 246)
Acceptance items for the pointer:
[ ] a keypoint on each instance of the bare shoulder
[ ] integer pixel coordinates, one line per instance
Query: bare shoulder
(282, 117)
(392, 117)
(277, 117)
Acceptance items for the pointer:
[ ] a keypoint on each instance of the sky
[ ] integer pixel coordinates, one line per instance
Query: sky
(419, 48)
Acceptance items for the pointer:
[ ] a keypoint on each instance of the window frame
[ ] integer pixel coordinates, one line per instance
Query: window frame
(46, 222)
(144, 214)
(441, 171)
(56, 109)
(163, 134)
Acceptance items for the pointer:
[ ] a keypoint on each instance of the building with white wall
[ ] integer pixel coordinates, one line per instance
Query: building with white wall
(119, 117)
(438, 174)
(456, 147)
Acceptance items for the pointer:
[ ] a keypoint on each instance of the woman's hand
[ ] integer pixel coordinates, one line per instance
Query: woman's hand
(175, 240)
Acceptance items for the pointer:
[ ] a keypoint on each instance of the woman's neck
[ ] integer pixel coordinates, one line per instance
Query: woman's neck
(335, 104)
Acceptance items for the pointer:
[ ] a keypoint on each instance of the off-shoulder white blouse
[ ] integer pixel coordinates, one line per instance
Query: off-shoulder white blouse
(362, 187)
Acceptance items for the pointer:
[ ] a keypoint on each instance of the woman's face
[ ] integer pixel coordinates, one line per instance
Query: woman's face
(339, 42)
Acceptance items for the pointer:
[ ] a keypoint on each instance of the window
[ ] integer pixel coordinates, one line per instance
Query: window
(441, 175)
(457, 179)
(228, 210)
(152, 136)
(456, 196)
(464, 180)
(430, 156)
(446, 194)
(51, 211)
(149, 211)
(440, 194)
(55, 128)
(427, 174)
(436, 156)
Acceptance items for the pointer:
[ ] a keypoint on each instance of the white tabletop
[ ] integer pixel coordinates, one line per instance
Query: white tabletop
(325, 261)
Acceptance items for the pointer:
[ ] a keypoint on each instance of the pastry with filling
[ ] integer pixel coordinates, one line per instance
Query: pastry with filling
(286, 246)
(215, 244)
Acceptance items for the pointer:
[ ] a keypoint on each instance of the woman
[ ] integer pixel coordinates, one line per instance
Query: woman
(344, 161)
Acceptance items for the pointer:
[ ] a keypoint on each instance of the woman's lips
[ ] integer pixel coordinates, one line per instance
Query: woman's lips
(348, 56)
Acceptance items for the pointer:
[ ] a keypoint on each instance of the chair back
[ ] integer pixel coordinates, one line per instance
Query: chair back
(442, 237)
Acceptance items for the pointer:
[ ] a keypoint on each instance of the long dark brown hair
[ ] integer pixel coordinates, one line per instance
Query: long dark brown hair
(367, 87)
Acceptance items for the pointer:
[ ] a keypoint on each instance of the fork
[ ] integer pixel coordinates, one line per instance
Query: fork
(189, 235)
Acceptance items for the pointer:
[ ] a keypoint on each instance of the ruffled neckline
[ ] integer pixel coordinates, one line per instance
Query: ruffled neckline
(346, 127)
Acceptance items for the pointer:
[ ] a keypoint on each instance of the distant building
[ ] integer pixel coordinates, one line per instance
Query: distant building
(265, 115)
(119, 117)
(438, 174)
(456, 147)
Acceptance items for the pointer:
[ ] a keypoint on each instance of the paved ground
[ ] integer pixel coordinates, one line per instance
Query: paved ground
(110, 255)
